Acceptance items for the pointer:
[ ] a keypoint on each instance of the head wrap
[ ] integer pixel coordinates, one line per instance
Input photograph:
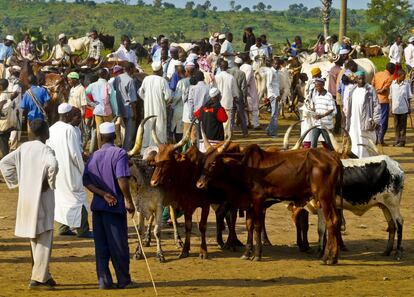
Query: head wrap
(156, 66)
(360, 73)
(189, 65)
(316, 71)
(61, 35)
(214, 92)
(73, 75)
(411, 39)
(107, 128)
(64, 108)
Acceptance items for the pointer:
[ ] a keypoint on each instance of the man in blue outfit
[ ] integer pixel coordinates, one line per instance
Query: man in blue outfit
(106, 176)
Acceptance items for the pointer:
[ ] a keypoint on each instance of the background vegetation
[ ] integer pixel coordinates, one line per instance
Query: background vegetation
(190, 23)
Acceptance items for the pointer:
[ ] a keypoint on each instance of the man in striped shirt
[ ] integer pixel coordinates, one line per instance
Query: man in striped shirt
(323, 114)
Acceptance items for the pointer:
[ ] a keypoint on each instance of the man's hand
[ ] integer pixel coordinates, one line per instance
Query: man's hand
(318, 116)
(111, 200)
(130, 207)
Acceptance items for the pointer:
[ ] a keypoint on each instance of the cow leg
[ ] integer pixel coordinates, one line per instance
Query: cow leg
(177, 238)
(220, 214)
(265, 238)
(391, 231)
(321, 233)
(303, 223)
(249, 227)
(232, 241)
(188, 225)
(258, 223)
(398, 253)
(138, 252)
(157, 233)
(202, 226)
(147, 236)
(333, 227)
(343, 228)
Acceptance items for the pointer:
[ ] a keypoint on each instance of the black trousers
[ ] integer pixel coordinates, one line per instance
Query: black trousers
(338, 120)
(4, 143)
(400, 126)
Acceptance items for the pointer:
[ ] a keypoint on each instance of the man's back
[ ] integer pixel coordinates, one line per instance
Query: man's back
(28, 103)
(227, 85)
(103, 169)
(382, 80)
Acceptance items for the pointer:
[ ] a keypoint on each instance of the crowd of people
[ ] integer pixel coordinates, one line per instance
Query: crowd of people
(214, 84)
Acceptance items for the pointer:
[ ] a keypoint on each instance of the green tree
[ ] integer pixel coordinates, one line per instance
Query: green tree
(246, 9)
(232, 4)
(269, 7)
(140, 2)
(237, 7)
(392, 17)
(207, 5)
(261, 6)
(214, 8)
(157, 3)
(189, 5)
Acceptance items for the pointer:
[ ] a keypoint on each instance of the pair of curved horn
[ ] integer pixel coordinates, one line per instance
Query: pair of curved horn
(207, 144)
(302, 138)
(140, 135)
(287, 135)
(186, 137)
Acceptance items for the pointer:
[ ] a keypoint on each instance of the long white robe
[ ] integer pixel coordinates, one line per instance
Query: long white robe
(155, 92)
(27, 167)
(252, 95)
(180, 95)
(70, 194)
(357, 136)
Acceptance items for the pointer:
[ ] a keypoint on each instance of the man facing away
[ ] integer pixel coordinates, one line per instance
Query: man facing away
(33, 167)
(106, 176)
(155, 93)
(71, 204)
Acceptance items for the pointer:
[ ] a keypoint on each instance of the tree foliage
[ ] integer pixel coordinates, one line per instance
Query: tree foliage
(392, 17)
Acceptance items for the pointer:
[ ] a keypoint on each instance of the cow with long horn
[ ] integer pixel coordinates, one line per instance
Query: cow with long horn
(149, 201)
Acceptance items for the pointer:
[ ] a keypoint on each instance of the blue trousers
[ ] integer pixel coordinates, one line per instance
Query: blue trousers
(274, 106)
(383, 123)
(111, 242)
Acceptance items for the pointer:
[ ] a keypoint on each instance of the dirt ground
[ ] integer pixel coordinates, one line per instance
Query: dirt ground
(284, 271)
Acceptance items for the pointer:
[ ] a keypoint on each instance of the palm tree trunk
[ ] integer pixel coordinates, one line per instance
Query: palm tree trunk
(342, 19)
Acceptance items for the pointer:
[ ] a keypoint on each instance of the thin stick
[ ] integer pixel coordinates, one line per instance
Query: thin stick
(143, 253)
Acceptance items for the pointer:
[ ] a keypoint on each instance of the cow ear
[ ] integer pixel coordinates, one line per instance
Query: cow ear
(231, 161)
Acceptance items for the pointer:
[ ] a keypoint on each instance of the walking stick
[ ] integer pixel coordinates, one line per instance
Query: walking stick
(142, 249)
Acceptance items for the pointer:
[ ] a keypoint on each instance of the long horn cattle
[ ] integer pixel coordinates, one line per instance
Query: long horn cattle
(284, 175)
(149, 201)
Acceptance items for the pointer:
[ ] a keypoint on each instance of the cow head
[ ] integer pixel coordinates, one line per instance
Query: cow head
(167, 157)
(215, 159)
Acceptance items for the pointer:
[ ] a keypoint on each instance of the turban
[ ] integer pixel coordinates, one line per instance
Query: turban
(316, 71)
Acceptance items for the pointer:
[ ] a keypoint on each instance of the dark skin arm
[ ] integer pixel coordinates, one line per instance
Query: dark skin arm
(320, 116)
(111, 200)
(123, 183)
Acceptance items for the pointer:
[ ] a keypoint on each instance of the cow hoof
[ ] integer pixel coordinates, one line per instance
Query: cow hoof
(344, 248)
(244, 257)
(183, 255)
(329, 261)
(267, 243)
(386, 253)
(203, 256)
(257, 259)
(398, 255)
(137, 256)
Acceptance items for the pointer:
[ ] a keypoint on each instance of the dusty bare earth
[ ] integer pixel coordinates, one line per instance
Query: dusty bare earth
(284, 271)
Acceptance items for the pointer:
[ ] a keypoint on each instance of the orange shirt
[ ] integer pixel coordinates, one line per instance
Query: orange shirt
(382, 80)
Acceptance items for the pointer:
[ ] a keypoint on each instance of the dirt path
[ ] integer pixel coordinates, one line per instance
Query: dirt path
(284, 271)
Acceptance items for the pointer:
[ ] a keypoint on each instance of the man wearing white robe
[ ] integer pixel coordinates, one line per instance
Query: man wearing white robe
(155, 93)
(70, 195)
(252, 95)
(363, 116)
(33, 167)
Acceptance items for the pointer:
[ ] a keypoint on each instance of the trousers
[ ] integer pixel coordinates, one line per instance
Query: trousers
(274, 106)
(4, 143)
(41, 252)
(99, 120)
(127, 132)
(84, 227)
(239, 111)
(400, 124)
(383, 127)
(227, 124)
(111, 242)
(315, 135)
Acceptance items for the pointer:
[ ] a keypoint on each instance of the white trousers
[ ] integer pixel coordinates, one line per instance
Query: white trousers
(227, 124)
(253, 109)
(41, 253)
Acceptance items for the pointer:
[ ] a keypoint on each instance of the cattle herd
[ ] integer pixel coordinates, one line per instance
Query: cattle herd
(246, 181)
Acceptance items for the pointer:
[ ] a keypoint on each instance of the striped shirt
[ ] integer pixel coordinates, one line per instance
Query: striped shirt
(400, 95)
(324, 103)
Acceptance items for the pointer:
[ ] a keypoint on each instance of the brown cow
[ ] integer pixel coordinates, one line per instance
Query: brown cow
(284, 175)
(371, 51)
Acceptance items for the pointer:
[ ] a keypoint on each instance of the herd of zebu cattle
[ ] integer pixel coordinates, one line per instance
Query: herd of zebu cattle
(235, 180)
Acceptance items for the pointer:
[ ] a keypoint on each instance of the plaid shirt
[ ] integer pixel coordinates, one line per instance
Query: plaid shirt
(95, 47)
(25, 48)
